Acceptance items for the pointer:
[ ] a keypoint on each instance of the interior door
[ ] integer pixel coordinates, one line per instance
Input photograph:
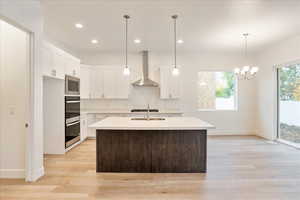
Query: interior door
(289, 104)
(14, 98)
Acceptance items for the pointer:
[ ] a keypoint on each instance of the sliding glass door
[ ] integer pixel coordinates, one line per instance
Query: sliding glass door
(289, 104)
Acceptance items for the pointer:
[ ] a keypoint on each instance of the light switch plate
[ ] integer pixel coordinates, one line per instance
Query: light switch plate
(11, 110)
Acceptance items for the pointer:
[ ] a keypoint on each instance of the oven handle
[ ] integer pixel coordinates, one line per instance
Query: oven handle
(72, 101)
(71, 124)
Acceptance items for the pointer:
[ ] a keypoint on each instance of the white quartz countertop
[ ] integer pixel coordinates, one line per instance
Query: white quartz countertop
(170, 123)
(128, 112)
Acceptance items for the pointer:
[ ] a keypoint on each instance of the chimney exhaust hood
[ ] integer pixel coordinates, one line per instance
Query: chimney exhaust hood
(145, 81)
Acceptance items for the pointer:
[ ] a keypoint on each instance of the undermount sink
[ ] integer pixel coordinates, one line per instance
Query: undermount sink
(146, 119)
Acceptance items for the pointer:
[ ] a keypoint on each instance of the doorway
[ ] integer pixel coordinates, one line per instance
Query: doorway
(288, 101)
(15, 65)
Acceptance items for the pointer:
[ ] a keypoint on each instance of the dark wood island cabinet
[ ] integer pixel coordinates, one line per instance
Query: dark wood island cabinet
(151, 149)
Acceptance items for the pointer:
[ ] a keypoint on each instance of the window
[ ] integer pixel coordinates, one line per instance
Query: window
(217, 91)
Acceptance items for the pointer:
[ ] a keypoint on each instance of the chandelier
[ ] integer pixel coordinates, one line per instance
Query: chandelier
(246, 72)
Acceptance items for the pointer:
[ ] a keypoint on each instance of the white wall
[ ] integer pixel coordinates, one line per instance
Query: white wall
(28, 15)
(280, 53)
(242, 121)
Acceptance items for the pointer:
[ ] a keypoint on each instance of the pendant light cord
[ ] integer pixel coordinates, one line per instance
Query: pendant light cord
(175, 40)
(246, 44)
(126, 39)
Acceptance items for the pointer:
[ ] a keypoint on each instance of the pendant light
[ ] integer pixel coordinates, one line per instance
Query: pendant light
(126, 71)
(175, 70)
(246, 72)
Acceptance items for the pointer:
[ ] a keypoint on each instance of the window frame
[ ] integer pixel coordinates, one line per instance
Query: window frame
(236, 94)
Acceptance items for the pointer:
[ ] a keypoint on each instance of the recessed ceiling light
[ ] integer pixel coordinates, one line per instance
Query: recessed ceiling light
(78, 25)
(180, 41)
(94, 41)
(137, 41)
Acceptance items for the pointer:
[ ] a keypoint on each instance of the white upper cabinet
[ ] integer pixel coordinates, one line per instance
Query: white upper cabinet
(56, 63)
(109, 83)
(85, 80)
(59, 64)
(169, 84)
(98, 82)
(52, 62)
(47, 61)
(122, 85)
(72, 66)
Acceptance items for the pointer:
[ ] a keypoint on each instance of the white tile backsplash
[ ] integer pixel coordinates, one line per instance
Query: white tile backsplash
(139, 97)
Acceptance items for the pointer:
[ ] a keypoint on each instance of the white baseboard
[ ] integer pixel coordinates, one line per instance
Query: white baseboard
(12, 173)
(231, 132)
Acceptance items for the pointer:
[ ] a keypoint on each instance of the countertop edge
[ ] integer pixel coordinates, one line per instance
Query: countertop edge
(128, 112)
(153, 128)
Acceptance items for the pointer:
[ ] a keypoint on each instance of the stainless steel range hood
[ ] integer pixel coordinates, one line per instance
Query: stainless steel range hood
(145, 81)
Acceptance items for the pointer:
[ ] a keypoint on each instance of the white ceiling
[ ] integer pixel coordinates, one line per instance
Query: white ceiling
(204, 25)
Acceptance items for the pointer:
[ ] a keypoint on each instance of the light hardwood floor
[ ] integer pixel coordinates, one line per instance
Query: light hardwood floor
(239, 168)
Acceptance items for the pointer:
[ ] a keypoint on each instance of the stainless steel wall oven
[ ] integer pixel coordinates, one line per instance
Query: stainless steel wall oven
(72, 120)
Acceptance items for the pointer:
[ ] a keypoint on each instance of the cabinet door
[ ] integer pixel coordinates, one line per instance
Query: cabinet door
(122, 84)
(83, 128)
(169, 84)
(72, 66)
(59, 64)
(164, 83)
(109, 83)
(174, 86)
(68, 66)
(96, 83)
(47, 61)
(77, 68)
(106, 83)
(85, 79)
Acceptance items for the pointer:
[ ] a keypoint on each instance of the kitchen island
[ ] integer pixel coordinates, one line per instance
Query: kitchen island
(156, 145)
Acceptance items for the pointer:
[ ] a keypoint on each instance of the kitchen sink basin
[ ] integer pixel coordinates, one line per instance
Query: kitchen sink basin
(148, 119)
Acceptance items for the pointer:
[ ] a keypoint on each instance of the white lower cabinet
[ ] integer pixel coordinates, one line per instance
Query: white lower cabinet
(92, 118)
(83, 127)
(98, 82)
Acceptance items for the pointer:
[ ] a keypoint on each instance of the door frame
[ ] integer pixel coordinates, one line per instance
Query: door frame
(29, 138)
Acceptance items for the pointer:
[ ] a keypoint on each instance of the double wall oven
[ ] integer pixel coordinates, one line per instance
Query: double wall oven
(72, 111)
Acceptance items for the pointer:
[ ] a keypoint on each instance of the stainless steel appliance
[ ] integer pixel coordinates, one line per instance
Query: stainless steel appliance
(72, 120)
(72, 85)
(145, 81)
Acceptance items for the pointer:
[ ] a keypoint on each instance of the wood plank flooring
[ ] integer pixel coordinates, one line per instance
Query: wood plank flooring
(239, 168)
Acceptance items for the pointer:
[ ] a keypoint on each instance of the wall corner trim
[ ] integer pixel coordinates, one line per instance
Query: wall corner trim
(36, 174)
